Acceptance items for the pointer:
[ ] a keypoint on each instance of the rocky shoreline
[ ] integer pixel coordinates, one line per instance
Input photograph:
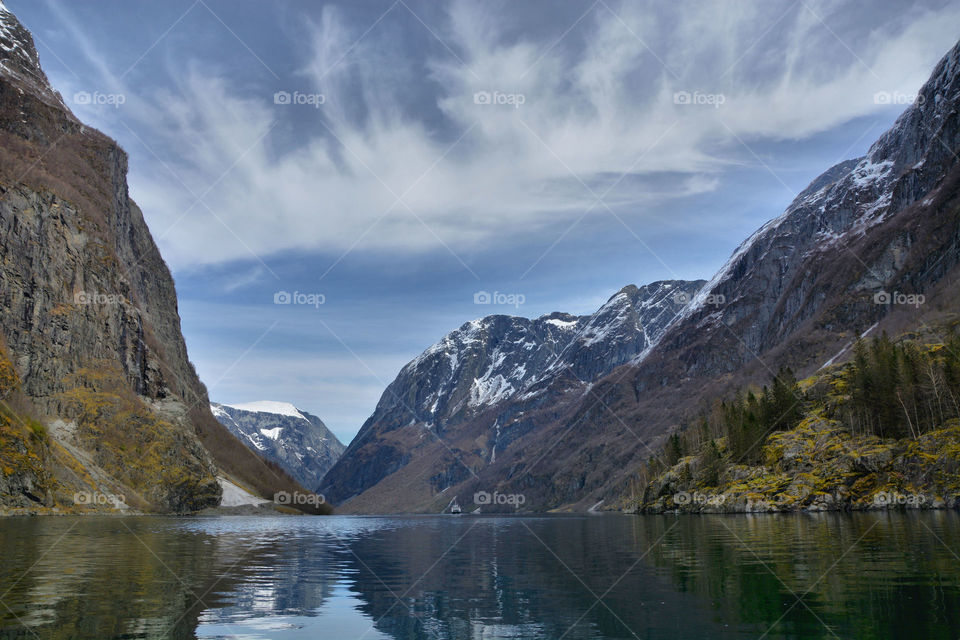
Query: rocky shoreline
(820, 466)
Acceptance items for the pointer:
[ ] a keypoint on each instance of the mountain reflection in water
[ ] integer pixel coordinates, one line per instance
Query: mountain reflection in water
(610, 576)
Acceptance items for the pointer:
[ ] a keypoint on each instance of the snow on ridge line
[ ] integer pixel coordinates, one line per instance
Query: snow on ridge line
(562, 324)
(219, 414)
(268, 406)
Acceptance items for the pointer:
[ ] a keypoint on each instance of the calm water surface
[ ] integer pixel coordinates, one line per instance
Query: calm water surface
(776, 576)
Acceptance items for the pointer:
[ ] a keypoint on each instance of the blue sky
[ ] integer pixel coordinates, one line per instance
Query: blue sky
(391, 159)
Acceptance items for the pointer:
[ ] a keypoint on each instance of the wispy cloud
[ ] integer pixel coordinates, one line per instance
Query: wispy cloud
(244, 279)
(597, 103)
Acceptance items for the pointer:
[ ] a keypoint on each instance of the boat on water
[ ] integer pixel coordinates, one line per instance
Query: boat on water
(455, 507)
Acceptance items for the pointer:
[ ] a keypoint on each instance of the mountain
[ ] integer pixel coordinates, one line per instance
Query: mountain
(489, 361)
(296, 440)
(869, 245)
(102, 399)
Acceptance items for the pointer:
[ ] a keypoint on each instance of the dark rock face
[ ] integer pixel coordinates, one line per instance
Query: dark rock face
(796, 293)
(297, 441)
(88, 310)
(82, 283)
(82, 279)
(488, 362)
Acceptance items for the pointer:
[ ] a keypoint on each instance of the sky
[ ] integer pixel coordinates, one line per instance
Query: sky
(331, 183)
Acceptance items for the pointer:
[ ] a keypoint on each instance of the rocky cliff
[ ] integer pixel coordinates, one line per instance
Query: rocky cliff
(89, 316)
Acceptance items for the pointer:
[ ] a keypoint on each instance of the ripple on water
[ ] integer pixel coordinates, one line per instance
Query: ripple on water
(791, 576)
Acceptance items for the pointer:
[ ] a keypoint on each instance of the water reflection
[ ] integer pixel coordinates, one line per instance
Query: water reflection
(803, 576)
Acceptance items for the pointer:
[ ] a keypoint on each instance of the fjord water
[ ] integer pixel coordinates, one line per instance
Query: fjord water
(868, 575)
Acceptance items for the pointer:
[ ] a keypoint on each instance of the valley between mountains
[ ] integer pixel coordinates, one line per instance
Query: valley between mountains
(755, 390)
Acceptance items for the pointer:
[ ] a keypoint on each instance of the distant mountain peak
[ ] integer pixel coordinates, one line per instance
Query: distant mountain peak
(296, 440)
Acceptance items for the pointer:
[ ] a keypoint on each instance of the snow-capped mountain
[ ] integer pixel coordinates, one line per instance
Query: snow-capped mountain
(863, 236)
(296, 440)
(489, 361)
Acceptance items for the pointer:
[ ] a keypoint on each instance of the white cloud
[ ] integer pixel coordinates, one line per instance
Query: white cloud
(598, 104)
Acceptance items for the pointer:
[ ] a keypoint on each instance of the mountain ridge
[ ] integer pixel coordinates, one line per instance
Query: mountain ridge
(795, 292)
(492, 359)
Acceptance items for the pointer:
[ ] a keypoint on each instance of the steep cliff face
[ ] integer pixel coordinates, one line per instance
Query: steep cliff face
(490, 362)
(89, 312)
(849, 255)
(297, 441)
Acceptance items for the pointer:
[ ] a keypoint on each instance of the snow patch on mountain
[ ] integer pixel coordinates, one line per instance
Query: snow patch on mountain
(273, 434)
(868, 172)
(269, 406)
(220, 414)
(234, 495)
(490, 389)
